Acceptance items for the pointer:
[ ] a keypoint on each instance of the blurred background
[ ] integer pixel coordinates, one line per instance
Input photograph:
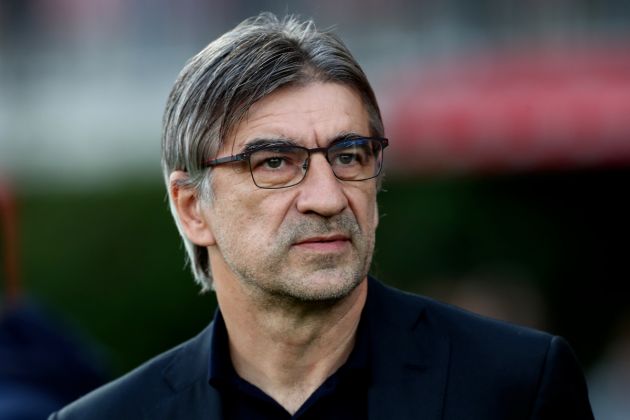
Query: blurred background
(506, 190)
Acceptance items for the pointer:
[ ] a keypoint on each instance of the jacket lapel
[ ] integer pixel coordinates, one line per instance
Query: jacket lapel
(410, 357)
(187, 377)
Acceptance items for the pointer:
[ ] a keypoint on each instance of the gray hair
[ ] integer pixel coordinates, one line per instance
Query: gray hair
(216, 88)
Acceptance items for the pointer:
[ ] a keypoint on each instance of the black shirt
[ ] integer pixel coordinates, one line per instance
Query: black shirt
(342, 396)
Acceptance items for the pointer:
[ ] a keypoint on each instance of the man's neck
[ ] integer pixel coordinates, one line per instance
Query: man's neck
(289, 351)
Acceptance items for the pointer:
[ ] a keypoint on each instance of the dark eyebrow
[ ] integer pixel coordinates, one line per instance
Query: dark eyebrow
(263, 143)
(345, 136)
(260, 143)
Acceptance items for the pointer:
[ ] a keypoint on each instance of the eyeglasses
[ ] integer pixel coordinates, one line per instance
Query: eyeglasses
(275, 166)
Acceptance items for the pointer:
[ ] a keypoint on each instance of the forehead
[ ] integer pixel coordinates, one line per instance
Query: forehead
(310, 115)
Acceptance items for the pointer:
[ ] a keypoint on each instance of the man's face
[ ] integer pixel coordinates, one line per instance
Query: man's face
(312, 241)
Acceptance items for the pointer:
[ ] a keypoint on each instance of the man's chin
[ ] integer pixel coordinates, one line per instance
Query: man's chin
(321, 287)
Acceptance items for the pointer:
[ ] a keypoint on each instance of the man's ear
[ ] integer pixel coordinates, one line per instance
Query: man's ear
(189, 210)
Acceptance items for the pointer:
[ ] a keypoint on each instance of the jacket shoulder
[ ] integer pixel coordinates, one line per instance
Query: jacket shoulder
(462, 326)
(128, 396)
(493, 366)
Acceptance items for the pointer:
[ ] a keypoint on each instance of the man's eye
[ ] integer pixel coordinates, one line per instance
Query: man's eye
(347, 158)
(273, 162)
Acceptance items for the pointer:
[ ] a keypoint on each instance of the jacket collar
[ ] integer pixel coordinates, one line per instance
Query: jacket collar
(186, 376)
(410, 357)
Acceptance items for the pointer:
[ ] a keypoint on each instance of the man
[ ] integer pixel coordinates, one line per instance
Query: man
(272, 150)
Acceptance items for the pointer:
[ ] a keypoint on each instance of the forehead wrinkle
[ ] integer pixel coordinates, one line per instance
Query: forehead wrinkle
(280, 118)
(268, 131)
(285, 131)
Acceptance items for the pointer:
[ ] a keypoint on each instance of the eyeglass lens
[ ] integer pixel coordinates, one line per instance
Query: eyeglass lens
(284, 166)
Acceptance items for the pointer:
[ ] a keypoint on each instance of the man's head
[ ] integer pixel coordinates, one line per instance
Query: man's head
(220, 89)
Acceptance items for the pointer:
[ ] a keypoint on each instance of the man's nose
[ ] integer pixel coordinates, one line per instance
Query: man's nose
(320, 191)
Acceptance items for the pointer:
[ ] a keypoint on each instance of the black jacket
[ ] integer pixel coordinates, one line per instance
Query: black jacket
(429, 361)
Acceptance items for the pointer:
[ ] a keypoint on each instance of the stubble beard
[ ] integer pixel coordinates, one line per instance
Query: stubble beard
(279, 275)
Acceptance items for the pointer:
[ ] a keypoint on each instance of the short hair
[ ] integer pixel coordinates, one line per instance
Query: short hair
(216, 88)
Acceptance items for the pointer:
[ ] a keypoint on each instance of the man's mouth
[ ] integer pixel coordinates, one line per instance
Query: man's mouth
(324, 243)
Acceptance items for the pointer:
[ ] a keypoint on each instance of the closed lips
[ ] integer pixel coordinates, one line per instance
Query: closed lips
(316, 239)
